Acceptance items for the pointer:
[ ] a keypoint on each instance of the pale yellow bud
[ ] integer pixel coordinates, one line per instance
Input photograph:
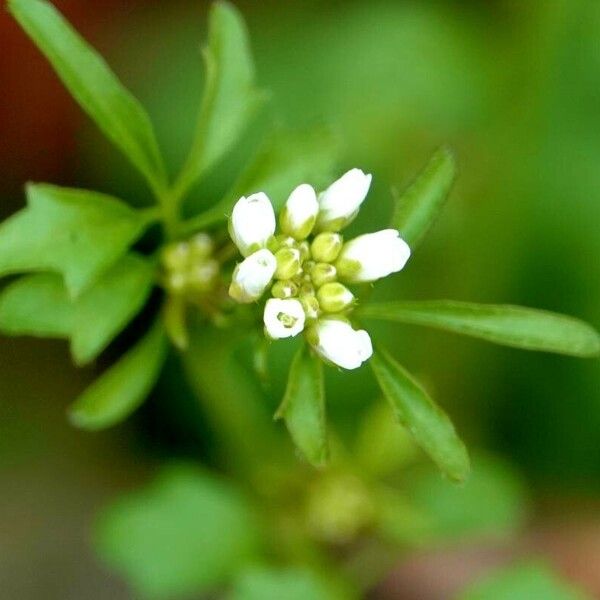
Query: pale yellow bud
(326, 246)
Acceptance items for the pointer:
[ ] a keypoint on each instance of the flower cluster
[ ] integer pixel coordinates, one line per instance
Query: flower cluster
(306, 265)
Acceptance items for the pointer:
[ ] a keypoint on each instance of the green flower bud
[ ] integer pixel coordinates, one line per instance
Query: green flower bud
(347, 268)
(288, 263)
(201, 245)
(175, 256)
(322, 273)
(326, 246)
(203, 275)
(334, 297)
(284, 289)
(310, 305)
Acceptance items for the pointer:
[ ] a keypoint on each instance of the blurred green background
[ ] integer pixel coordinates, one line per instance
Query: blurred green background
(511, 86)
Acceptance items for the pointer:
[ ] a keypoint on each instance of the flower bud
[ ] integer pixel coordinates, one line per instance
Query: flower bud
(283, 318)
(372, 256)
(336, 342)
(201, 245)
(322, 273)
(341, 201)
(203, 275)
(310, 305)
(288, 263)
(284, 289)
(175, 256)
(252, 223)
(299, 214)
(326, 246)
(334, 297)
(252, 276)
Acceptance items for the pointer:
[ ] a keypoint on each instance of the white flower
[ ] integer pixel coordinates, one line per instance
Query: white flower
(283, 318)
(340, 202)
(300, 212)
(338, 343)
(252, 276)
(372, 256)
(252, 222)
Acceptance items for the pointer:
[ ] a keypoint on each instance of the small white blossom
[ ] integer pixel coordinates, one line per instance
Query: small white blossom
(340, 202)
(300, 212)
(338, 343)
(372, 256)
(252, 276)
(283, 318)
(252, 222)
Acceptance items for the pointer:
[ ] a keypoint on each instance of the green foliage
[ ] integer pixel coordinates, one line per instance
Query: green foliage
(230, 96)
(526, 581)
(264, 583)
(90, 81)
(77, 233)
(36, 305)
(414, 409)
(185, 534)
(508, 325)
(285, 160)
(303, 406)
(103, 311)
(123, 387)
(491, 503)
(419, 206)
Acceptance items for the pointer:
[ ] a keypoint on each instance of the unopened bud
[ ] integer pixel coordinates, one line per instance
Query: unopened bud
(322, 273)
(201, 245)
(310, 305)
(175, 256)
(299, 214)
(284, 289)
(288, 263)
(326, 246)
(334, 297)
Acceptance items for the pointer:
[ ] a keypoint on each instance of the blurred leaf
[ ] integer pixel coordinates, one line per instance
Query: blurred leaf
(75, 232)
(93, 85)
(230, 96)
(185, 534)
(428, 424)
(528, 581)
(503, 324)
(418, 207)
(124, 386)
(174, 318)
(264, 583)
(285, 160)
(36, 305)
(104, 309)
(492, 502)
(303, 406)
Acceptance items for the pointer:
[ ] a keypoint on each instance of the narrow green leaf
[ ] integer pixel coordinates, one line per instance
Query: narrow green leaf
(230, 96)
(103, 310)
(93, 85)
(77, 233)
(508, 325)
(303, 407)
(186, 534)
(36, 305)
(426, 421)
(418, 207)
(526, 581)
(286, 160)
(120, 390)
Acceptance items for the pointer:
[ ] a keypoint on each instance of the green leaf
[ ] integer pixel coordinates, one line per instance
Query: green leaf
(286, 160)
(292, 583)
(36, 305)
(74, 232)
(303, 406)
(418, 207)
(93, 85)
(187, 533)
(492, 503)
(124, 386)
(526, 581)
(230, 96)
(514, 326)
(103, 310)
(426, 421)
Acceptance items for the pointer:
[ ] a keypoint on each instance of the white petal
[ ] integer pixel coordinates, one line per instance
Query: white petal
(283, 318)
(300, 211)
(252, 276)
(338, 343)
(377, 255)
(252, 222)
(342, 199)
